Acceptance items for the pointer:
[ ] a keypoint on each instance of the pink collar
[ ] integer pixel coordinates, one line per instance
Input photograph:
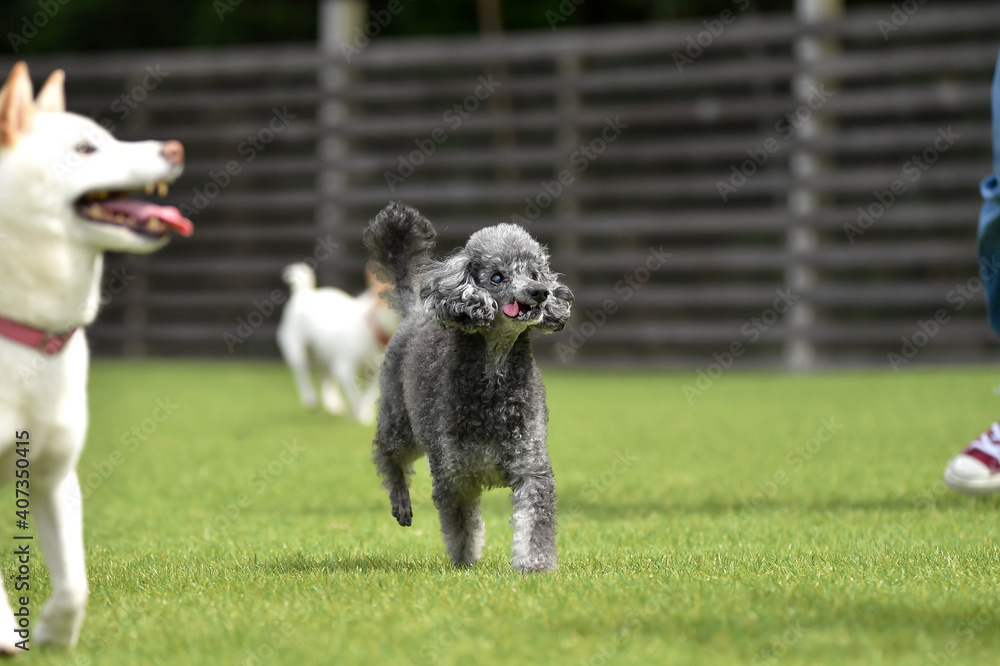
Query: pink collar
(43, 341)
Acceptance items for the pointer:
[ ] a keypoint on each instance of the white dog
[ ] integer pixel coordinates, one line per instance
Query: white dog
(63, 180)
(343, 336)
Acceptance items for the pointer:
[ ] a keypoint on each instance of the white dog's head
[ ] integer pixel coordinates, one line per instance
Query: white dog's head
(68, 177)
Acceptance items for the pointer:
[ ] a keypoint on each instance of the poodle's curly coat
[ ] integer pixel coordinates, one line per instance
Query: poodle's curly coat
(459, 382)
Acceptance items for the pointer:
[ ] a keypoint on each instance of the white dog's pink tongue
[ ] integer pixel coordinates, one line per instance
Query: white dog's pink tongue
(512, 309)
(145, 211)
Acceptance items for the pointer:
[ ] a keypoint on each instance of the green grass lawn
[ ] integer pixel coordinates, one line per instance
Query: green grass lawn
(780, 519)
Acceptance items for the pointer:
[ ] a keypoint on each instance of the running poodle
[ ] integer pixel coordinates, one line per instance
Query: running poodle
(459, 382)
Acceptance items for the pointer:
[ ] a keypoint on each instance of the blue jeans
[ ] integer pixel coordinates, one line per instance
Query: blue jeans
(988, 236)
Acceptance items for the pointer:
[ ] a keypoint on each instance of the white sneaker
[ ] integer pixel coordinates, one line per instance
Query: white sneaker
(976, 470)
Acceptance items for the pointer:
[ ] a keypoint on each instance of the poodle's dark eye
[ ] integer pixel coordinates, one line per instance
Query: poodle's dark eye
(85, 148)
(496, 278)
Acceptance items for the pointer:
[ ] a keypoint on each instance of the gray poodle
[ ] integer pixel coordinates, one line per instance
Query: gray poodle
(459, 382)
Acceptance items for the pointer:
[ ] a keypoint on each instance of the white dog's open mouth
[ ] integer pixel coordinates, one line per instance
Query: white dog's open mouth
(111, 207)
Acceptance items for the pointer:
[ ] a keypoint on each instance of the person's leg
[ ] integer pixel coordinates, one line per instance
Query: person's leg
(977, 468)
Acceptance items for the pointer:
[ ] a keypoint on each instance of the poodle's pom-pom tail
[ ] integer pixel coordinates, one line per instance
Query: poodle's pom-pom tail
(300, 277)
(400, 241)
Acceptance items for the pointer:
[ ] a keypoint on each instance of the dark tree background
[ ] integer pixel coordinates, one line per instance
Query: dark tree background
(89, 25)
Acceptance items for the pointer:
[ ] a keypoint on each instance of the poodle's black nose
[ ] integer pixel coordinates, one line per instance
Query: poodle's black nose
(539, 293)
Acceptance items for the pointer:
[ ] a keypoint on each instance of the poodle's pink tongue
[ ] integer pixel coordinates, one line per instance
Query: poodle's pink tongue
(512, 309)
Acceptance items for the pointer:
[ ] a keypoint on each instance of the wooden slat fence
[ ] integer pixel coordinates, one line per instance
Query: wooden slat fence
(611, 148)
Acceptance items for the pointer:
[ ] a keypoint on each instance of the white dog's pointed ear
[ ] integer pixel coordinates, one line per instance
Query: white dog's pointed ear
(17, 109)
(51, 97)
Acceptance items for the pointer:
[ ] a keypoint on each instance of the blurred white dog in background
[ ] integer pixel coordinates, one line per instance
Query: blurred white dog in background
(342, 336)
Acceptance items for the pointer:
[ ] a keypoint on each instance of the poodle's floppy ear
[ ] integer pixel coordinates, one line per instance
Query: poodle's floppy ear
(450, 295)
(556, 311)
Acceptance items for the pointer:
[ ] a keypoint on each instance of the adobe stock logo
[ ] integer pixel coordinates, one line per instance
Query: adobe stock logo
(580, 159)
(910, 172)
(927, 329)
(752, 329)
(31, 25)
(899, 17)
(453, 117)
(786, 127)
(697, 44)
(630, 283)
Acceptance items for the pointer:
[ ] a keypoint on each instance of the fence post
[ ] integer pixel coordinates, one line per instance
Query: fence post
(805, 165)
(337, 22)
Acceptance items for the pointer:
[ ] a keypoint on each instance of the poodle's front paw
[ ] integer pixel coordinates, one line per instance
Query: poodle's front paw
(535, 564)
(402, 511)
